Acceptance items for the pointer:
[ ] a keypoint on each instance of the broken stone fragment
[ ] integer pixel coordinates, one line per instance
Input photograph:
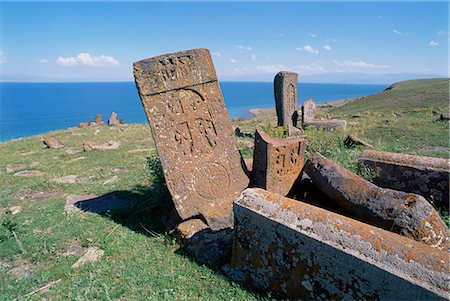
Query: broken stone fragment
(426, 176)
(405, 213)
(53, 142)
(277, 163)
(199, 154)
(352, 141)
(90, 145)
(92, 254)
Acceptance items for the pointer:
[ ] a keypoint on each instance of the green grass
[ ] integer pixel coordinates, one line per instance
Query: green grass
(148, 265)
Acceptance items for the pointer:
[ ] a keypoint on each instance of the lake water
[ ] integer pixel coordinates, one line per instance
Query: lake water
(33, 108)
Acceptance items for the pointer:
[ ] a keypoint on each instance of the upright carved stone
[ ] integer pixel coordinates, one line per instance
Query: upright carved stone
(277, 163)
(286, 98)
(308, 110)
(193, 134)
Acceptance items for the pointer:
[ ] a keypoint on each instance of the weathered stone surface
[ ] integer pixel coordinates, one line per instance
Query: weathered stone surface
(70, 179)
(327, 125)
(406, 213)
(277, 163)
(285, 86)
(352, 141)
(13, 167)
(299, 251)
(84, 124)
(308, 110)
(200, 157)
(112, 121)
(204, 245)
(426, 176)
(90, 145)
(98, 119)
(28, 173)
(53, 142)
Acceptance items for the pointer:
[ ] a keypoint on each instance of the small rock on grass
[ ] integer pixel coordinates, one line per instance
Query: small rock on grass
(70, 179)
(28, 173)
(15, 210)
(53, 142)
(90, 145)
(92, 254)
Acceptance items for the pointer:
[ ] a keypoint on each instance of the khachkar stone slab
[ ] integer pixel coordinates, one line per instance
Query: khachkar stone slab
(193, 134)
(426, 176)
(405, 213)
(277, 163)
(286, 98)
(308, 111)
(299, 251)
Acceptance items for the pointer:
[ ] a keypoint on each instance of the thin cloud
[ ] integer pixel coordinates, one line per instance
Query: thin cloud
(313, 68)
(217, 54)
(86, 59)
(253, 57)
(242, 47)
(312, 35)
(309, 49)
(233, 61)
(2, 58)
(43, 61)
(433, 43)
(270, 68)
(442, 33)
(359, 64)
(330, 40)
(396, 31)
(327, 47)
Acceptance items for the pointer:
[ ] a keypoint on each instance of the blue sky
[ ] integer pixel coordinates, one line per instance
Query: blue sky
(99, 41)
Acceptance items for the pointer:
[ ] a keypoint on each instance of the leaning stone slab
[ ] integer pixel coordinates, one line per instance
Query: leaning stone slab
(285, 86)
(299, 251)
(199, 154)
(406, 213)
(327, 125)
(426, 176)
(277, 163)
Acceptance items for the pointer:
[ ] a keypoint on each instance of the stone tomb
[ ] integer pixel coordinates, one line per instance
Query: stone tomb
(286, 98)
(200, 157)
(277, 163)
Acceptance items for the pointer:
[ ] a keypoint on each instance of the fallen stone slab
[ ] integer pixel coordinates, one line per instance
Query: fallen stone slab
(29, 195)
(28, 173)
(53, 142)
(110, 145)
(426, 176)
(18, 166)
(327, 125)
(405, 213)
(277, 162)
(299, 251)
(194, 138)
(92, 254)
(96, 204)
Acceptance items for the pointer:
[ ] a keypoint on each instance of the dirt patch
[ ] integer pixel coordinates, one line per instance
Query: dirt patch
(74, 248)
(22, 269)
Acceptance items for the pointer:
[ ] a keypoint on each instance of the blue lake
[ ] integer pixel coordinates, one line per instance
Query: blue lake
(33, 108)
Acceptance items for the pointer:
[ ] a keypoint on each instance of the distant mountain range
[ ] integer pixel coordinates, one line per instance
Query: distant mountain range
(339, 78)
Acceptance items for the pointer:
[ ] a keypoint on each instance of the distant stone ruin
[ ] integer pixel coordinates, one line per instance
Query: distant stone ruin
(370, 242)
(308, 113)
(199, 154)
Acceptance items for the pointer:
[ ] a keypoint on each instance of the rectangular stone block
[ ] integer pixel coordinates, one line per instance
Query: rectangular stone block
(199, 154)
(426, 176)
(286, 98)
(299, 251)
(277, 163)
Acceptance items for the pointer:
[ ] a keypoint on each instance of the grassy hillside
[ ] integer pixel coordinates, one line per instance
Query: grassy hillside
(39, 244)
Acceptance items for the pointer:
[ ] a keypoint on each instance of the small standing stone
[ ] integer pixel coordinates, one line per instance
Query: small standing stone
(53, 142)
(112, 121)
(286, 98)
(98, 120)
(308, 110)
